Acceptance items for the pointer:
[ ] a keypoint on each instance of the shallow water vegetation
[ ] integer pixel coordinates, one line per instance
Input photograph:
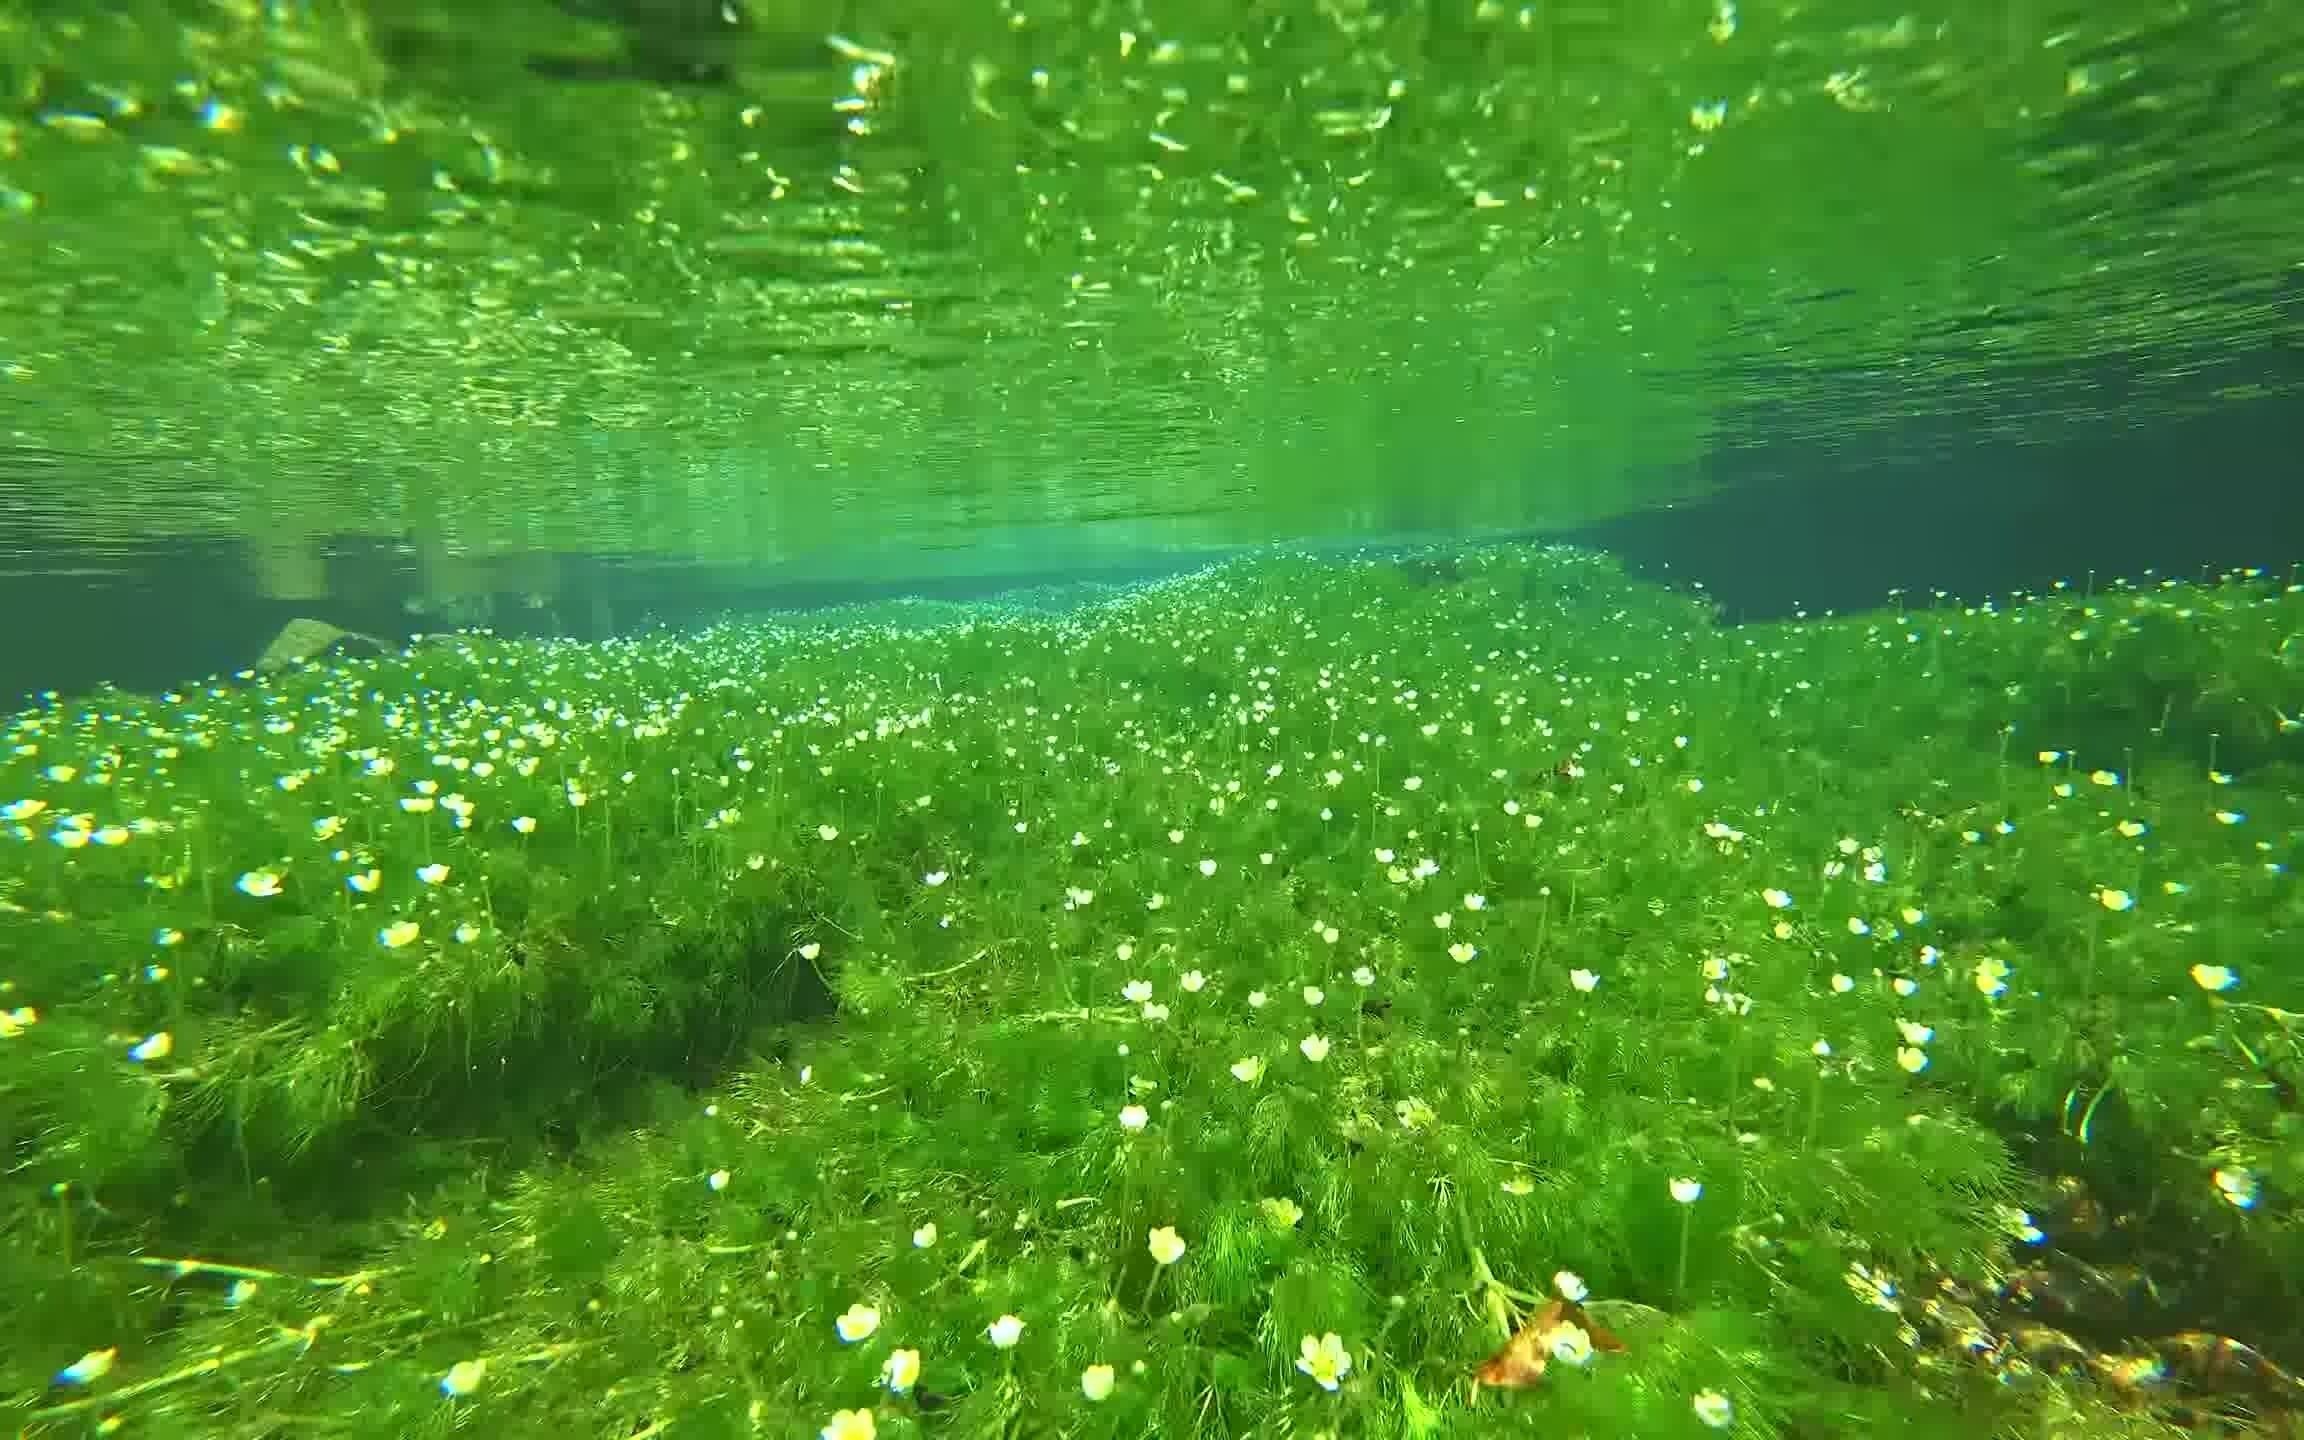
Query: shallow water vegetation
(1251, 1004)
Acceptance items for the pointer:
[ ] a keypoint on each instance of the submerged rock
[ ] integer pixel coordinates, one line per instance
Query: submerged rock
(302, 639)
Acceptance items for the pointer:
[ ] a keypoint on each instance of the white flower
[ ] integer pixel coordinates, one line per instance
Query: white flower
(263, 884)
(934, 878)
(717, 1180)
(1777, 899)
(158, 1046)
(1685, 1189)
(2115, 899)
(1313, 995)
(432, 874)
(524, 824)
(858, 1323)
(1136, 992)
(1248, 1069)
(399, 934)
(1325, 1360)
(2214, 977)
(1167, 1246)
(1914, 1034)
(1193, 982)
(1207, 867)
(1363, 977)
(1315, 1048)
(1584, 980)
(1005, 1332)
(925, 1236)
(1569, 1286)
(1257, 999)
(1096, 1382)
(1134, 1117)
(1714, 1409)
(1912, 1058)
(1568, 1343)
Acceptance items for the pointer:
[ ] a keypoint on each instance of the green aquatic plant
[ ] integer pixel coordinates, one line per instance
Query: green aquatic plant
(1214, 1010)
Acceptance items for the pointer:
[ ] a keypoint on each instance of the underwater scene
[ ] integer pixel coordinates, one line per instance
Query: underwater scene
(1307, 719)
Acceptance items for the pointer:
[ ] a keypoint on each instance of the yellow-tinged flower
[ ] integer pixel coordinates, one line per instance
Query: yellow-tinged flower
(1096, 1382)
(1282, 1211)
(1248, 1069)
(1991, 976)
(399, 934)
(463, 1378)
(902, 1370)
(1167, 1246)
(1324, 1359)
(2238, 1185)
(858, 1323)
(850, 1425)
(89, 1368)
(2214, 977)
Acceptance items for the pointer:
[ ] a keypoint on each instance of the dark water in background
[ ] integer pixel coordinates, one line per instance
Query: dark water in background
(2201, 493)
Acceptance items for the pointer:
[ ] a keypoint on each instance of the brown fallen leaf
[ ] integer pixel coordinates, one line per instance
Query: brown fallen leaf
(1521, 1363)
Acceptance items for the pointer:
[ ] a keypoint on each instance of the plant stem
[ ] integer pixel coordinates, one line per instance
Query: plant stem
(62, 1189)
(1815, 1110)
(1680, 1271)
